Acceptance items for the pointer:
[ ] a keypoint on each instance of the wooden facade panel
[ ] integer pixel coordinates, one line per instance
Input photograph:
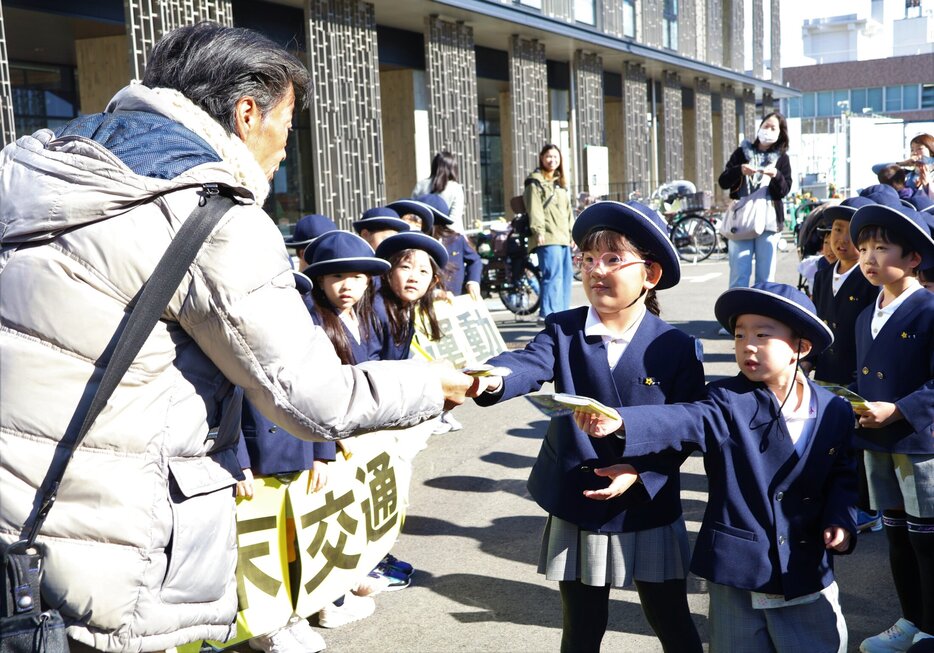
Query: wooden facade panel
(703, 136)
(528, 83)
(637, 137)
(7, 128)
(672, 121)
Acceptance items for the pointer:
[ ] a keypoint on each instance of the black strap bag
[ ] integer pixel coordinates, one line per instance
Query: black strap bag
(25, 627)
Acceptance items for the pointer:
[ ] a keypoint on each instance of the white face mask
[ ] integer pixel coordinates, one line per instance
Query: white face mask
(767, 136)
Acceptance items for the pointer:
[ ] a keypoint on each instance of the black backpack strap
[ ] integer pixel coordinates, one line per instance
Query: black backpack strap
(144, 313)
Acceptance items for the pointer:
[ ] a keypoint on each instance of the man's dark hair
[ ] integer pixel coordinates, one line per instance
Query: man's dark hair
(214, 66)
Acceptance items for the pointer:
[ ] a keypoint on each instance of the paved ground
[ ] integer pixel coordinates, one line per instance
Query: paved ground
(473, 532)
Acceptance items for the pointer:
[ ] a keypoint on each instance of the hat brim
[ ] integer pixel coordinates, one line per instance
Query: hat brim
(297, 243)
(918, 234)
(413, 240)
(422, 210)
(302, 283)
(359, 265)
(753, 301)
(381, 224)
(838, 212)
(638, 228)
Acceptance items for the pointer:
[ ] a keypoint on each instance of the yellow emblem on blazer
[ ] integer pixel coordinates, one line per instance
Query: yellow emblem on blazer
(904, 334)
(852, 298)
(649, 380)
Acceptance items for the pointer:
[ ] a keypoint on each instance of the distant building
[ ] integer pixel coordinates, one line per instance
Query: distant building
(636, 92)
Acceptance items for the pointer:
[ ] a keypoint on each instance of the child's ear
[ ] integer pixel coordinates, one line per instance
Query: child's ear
(804, 348)
(653, 274)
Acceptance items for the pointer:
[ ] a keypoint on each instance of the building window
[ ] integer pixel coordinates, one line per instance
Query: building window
(534, 4)
(910, 97)
(874, 99)
(629, 18)
(44, 97)
(793, 107)
(807, 105)
(670, 25)
(491, 162)
(927, 96)
(893, 98)
(584, 11)
(858, 100)
(825, 106)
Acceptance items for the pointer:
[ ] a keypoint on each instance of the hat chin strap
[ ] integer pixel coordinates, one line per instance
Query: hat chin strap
(638, 297)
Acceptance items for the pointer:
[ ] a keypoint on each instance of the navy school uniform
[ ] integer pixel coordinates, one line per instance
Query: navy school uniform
(898, 367)
(837, 363)
(767, 506)
(388, 349)
(661, 365)
(464, 264)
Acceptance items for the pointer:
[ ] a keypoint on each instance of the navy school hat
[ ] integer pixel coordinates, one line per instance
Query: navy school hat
(921, 202)
(422, 210)
(778, 301)
(904, 221)
(380, 219)
(882, 194)
(413, 240)
(302, 283)
(439, 208)
(308, 228)
(842, 211)
(641, 225)
(342, 251)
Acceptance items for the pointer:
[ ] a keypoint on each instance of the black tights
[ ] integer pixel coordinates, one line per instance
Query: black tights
(586, 611)
(911, 556)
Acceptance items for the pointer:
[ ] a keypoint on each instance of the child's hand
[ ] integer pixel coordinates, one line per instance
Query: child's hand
(473, 289)
(836, 538)
(455, 385)
(318, 476)
(489, 384)
(596, 425)
(748, 170)
(877, 414)
(623, 477)
(245, 487)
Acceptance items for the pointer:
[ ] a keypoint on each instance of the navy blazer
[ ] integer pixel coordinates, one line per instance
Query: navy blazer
(767, 507)
(837, 363)
(898, 366)
(661, 365)
(464, 264)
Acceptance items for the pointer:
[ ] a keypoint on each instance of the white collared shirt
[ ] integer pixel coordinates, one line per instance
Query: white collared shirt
(838, 278)
(881, 315)
(350, 321)
(800, 421)
(616, 343)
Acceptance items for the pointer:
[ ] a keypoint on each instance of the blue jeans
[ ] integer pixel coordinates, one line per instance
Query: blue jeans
(554, 261)
(741, 253)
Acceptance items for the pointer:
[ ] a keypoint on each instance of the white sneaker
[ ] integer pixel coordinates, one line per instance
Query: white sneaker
(278, 641)
(921, 636)
(439, 426)
(307, 636)
(353, 609)
(896, 639)
(448, 418)
(371, 585)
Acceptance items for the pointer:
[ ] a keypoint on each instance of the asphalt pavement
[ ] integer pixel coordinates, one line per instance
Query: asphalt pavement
(473, 532)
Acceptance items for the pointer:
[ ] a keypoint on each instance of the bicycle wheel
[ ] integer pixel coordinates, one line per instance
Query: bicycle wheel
(694, 238)
(522, 297)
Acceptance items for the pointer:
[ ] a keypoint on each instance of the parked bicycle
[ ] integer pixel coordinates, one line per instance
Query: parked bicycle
(693, 226)
(509, 269)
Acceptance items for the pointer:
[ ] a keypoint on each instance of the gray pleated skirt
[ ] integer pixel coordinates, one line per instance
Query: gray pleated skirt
(615, 559)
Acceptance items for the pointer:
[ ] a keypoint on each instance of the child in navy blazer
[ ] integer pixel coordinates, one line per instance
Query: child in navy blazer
(895, 363)
(781, 478)
(406, 291)
(841, 292)
(619, 352)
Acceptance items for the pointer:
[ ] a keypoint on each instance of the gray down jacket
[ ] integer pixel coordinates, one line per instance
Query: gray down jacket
(141, 544)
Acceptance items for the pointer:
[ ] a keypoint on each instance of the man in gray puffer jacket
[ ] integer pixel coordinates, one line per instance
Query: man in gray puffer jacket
(141, 544)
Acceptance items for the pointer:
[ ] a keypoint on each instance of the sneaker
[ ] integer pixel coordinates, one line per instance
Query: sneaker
(354, 608)
(396, 580)
(392, 561)
(278, 641)
(307, 636)
(868, 521)
(896, 639)
(449, 419)
(372, 584)
(921, 636)
(440, 426)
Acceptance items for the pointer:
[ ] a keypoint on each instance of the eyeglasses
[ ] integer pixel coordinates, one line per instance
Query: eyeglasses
(611, 262)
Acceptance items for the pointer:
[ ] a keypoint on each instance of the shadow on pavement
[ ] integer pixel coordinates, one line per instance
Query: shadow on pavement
(510, 460)
(534, 429)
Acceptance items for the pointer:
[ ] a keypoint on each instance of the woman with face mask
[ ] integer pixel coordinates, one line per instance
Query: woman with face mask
(763, 161)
